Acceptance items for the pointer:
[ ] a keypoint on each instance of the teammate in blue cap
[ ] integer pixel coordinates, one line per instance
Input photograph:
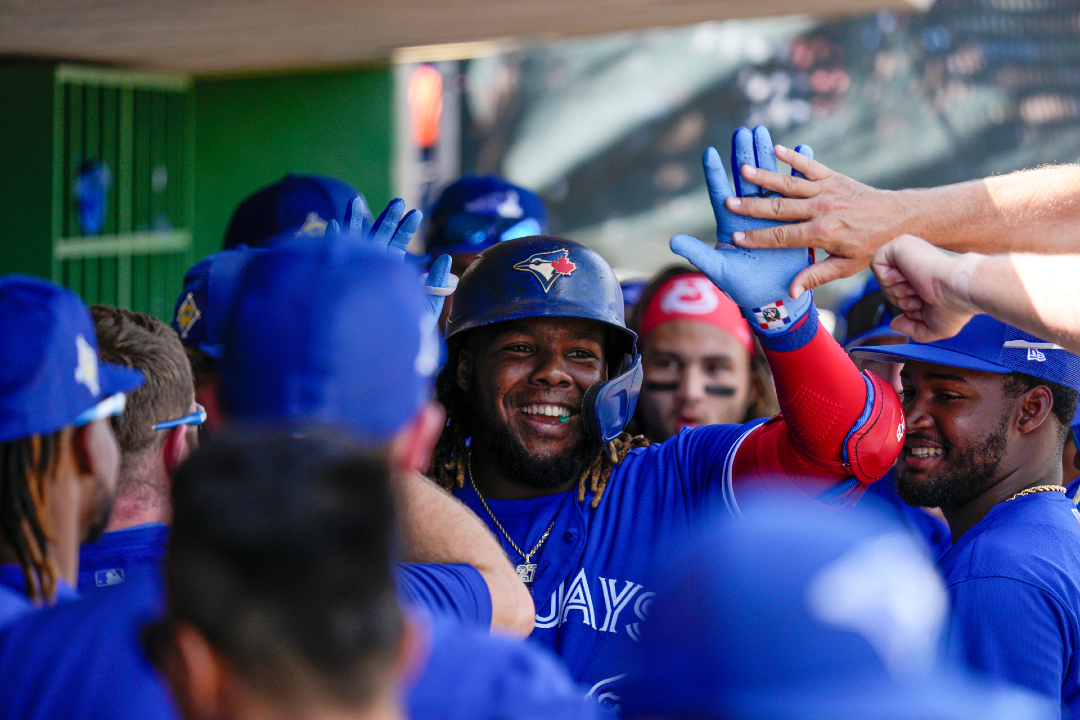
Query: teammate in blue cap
(199, 319)
(543, 376)
(791, 615)
(58, 455)
(157, 431)
(297, 206)
(338, 331)
(473, 213)
(866, 316)
(988, 412)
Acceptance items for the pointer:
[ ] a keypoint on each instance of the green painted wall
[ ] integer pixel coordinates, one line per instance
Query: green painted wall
(251, 131)
(26, 156)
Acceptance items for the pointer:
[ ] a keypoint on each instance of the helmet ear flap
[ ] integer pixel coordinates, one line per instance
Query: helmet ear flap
(608, 406)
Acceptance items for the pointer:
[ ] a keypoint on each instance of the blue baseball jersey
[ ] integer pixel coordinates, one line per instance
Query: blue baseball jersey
(1014, 583)
(933, 531)
(13, 600)
(470, 675)
(112, 558)
(84, 660)
(590, 585)
(455, 590)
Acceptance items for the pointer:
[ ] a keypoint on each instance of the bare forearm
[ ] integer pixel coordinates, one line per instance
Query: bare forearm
(1028, 211)
(439, 529)
(1037, 293)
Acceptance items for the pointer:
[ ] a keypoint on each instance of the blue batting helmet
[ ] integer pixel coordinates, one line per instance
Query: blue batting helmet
(546, 276)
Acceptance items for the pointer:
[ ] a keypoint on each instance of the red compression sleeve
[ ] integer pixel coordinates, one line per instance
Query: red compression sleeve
(822, 396)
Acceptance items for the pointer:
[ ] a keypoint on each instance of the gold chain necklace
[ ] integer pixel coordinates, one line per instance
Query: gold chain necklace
(526, 570)
(1038, 489)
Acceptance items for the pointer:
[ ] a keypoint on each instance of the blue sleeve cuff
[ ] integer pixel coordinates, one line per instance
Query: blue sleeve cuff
(458, 591)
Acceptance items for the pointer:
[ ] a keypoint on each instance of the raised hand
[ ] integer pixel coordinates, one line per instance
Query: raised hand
(391, 231)
(930, 286)
(756, 280)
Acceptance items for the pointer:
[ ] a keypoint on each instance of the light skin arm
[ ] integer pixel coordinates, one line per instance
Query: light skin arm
(1032, 210)
(439, 529)
(939, 293)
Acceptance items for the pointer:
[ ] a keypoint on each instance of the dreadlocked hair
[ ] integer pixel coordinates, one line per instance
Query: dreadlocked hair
(450, 457)
(26, 466)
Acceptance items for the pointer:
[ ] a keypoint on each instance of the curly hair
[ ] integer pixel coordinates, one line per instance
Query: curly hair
(26, 468)
(450, 458)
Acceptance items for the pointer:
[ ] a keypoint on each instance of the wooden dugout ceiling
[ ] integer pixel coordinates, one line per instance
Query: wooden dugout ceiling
(234, 36)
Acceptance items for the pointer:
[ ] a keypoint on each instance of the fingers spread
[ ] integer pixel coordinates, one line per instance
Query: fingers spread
(717, 181)
(811, 169)
(696, 252)
(763, 149)
(742, 153)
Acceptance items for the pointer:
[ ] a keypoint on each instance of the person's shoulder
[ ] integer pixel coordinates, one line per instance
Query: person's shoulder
(13, 605)
(473, 674)
(690, 442)
(1033, 539)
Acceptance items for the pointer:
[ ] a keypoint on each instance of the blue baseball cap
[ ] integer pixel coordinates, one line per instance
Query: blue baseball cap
(474, 213)
(866, 316)
(991, 346)
(329, 332)
(204, 303)
(796, 615)
(52, 375)
(300, 205)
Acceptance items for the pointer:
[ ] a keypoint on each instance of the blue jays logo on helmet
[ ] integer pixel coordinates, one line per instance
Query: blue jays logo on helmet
(548, 267)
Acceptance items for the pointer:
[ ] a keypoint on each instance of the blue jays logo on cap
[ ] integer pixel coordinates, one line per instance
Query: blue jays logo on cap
(497, 204)
(86, 373)
(548, 267)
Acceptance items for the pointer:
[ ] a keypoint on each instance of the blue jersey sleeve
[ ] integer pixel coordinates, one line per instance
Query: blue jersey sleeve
(458, 591)
(472, 675)
(1013, 631)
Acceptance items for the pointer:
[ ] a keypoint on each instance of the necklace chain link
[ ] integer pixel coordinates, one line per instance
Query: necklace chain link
(1038, 489)
(499, 524)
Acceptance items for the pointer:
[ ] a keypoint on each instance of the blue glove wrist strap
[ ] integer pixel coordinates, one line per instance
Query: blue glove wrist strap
(795, 334)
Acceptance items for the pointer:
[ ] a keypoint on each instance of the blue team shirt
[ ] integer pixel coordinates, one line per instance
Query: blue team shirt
(13, 600)
(1014, 582)
(455, 590)
(590, 590)
(113, 557)
(933, 531)
(84, 660)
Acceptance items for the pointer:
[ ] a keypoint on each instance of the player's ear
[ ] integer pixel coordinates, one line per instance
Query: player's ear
(1035, 406)
(464, 368)
(412, 445)
(175, 449)
(198, 674)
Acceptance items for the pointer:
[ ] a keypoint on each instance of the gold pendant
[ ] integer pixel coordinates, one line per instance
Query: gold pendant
(526, 571)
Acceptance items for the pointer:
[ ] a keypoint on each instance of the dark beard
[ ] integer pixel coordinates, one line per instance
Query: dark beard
(967, 475)
(515, 462)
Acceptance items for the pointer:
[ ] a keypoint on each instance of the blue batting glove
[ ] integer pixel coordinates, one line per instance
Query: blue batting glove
(439, 284)
(391, 231)
(756, 280)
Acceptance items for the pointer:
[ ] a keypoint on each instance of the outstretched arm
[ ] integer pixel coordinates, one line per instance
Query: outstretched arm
(836, 424)
(1031, 210)
(439, 529)
(939, 293)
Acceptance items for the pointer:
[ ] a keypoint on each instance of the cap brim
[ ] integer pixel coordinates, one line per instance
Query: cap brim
(926, 353)
(118, 379)
(878, 332)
